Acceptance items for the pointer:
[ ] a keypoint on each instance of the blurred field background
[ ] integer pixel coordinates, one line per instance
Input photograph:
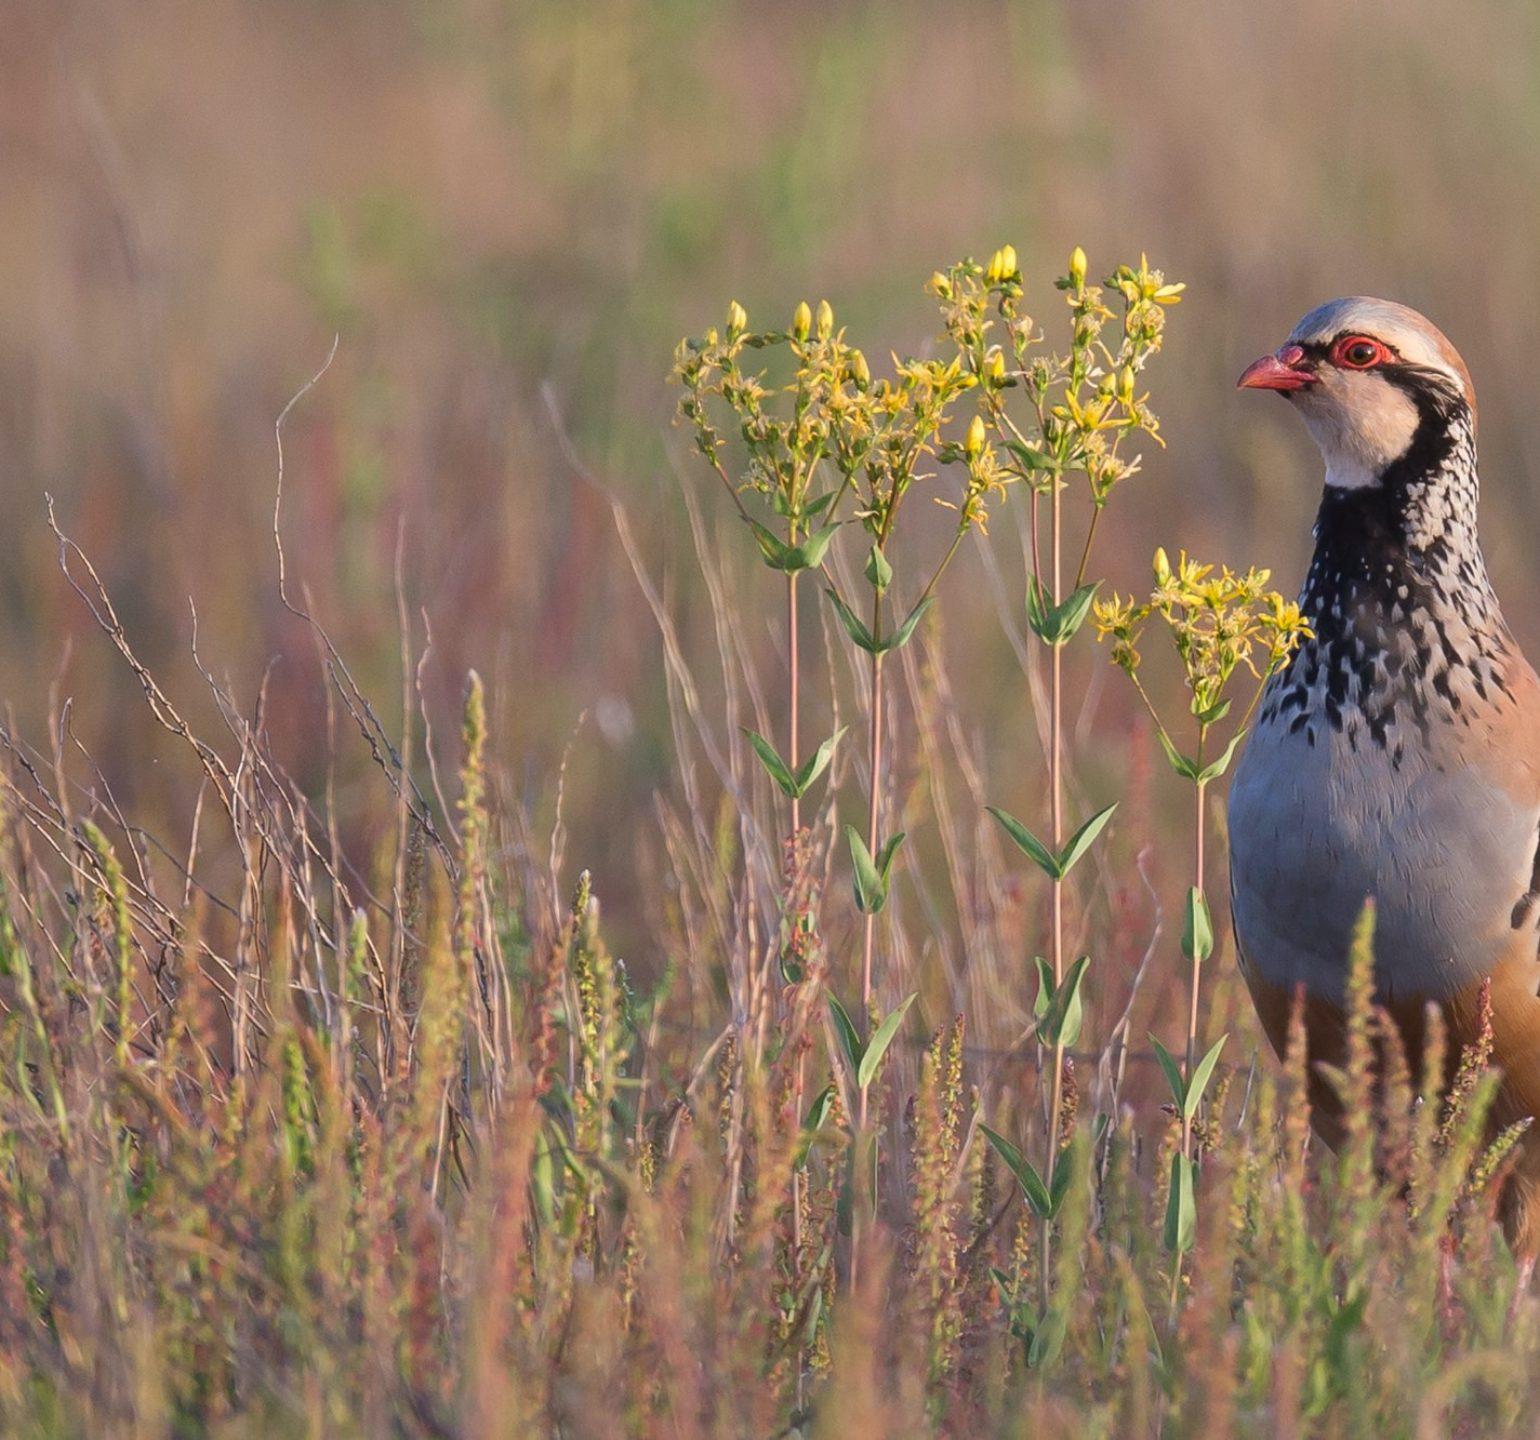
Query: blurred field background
(505, 213)
(488, 200)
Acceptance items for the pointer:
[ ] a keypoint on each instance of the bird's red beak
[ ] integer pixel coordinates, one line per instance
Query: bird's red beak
(1284, 371)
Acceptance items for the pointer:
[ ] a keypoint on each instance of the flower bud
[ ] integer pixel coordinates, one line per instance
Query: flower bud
(825, 319)
(860, 372)
(1126, 384)
(737, 320)
(996, 270)
(974, 442)
(994, 369)
(1008, 261)
(1162, 565)
(801, 321)
(940, 285)
(1077, 267)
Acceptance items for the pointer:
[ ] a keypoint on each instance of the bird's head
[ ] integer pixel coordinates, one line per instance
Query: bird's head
(1369, 378)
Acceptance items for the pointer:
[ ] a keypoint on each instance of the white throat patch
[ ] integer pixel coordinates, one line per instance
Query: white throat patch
(1360, 421)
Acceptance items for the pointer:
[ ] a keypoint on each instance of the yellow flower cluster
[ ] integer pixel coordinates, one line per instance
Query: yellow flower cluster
(1083, 404)
(1219, 622)
(876, 435)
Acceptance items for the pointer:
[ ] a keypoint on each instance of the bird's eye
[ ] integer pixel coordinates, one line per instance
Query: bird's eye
(1357, 352)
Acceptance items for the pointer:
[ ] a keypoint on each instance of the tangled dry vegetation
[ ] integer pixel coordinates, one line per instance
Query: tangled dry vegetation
(298, 1140)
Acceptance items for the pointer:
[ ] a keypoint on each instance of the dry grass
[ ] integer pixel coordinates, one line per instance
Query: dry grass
(297, 1143)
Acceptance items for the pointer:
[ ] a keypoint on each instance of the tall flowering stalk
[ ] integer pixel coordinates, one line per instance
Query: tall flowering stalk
(786, 433)
(1053, 417)
(1221, 626)
(840, 441)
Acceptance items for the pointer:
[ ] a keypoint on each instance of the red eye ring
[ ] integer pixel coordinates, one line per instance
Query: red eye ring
(1358, 352)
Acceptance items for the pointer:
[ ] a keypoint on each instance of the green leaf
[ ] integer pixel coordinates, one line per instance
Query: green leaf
(1187, 769)
(904, 631)
(878, 571)
(1173, 1074)
(1061, 1024)
(808, 555)
(1211, 714)
(1070, 614)
(1037, 608)
(1048, 1339)
(853, 626)
(1028, 457)
(886, 856)
(814, 508)
(772, 762)
(771, 546)
(1057, 624)
(1031, 1182)
(1181, 1209)
(882, 1037)
(871, 888)
(1197, 927)
(1083, 838)
(1064, 1172)
(850, 1041)
(1045, 987)
(1199, 1078)
(1218, 767)
(817, 1115)
(1028, 844)
(816, 763)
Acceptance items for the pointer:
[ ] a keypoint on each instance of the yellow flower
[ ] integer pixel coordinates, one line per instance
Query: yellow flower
(737, 320)
(975, 439)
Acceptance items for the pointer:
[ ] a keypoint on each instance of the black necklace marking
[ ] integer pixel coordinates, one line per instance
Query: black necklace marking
(1407, 627)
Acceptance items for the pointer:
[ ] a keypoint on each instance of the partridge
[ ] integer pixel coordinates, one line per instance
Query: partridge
(1397, 755)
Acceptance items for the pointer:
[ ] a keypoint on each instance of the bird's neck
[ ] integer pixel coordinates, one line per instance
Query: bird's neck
(1407, 545)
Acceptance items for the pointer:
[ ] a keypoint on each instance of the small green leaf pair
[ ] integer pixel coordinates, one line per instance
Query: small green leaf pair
(1189, 769)
(807, 555)
(1057, 1008)
(871, 874)
(864, 637)
(1056, 867)
(795, 785)
(1188, 1093)
(1057, 624)
(1042, 1337)
(1045, 1201)
(1181, 1202)
(865, 1060)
